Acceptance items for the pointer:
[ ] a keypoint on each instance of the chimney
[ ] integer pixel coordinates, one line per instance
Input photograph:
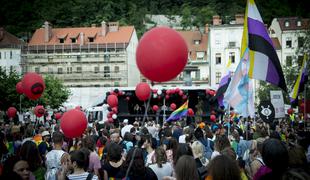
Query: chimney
(113, 26)
(82, 38)
(47, 31)
(104, 29)
(217, 20)
(239, 18)
(206, 28)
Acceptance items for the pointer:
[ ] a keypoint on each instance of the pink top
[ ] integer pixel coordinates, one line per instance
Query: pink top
(94, 161)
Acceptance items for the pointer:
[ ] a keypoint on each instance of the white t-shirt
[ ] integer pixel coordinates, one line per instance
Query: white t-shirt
(165, 170)
(53, 163)
(126, 129)
(182, 138)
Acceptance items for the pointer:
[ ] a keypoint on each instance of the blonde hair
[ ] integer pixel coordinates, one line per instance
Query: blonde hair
(197, 148)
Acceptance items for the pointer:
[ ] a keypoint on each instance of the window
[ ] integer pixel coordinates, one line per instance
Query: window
(69, 70)
(300, 42)
(287, 24)
(91, 39)
(200, 55)
(232, 44)
(232, 57)
(73, 40)
(197, 75)
(298, 23)
(217, 39)
(116, 69)
(0, 55)
(59, 71)
(288, 42)
(218, 77)
(218, 58)
(196, 42)
(37, 69)
(62, 40)
(79, 69)
(106, 71)
(4, 55)
(11, 54)
(50, 70)
(289, 60)
(106, 58)
(78, 58)
(97, 69)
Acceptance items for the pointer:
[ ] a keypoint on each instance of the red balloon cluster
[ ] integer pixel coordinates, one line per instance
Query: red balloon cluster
(33, 85)
(190, 112)
(161, 54)
(173, 106)
(213, 118)
(112, 100)
(73, 123)
(19, 88)
(39, 110)
(11, 112)
(143, 91)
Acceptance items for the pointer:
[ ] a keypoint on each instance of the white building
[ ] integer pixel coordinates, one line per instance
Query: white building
(224, 43)
(10, 50)
(85, 56)
(290, 32)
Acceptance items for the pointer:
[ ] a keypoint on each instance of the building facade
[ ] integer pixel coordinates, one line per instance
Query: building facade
(10, 52)
(84, 57)
(290, 32)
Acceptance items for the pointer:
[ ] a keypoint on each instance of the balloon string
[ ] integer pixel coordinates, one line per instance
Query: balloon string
(134, 152)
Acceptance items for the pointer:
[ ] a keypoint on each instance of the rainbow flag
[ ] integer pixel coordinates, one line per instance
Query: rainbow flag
(180, 112)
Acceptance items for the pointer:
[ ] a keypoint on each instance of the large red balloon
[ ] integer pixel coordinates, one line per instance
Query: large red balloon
(33, 85)
(19, 88)
(73, 123)
(143, 91)
(161, 54)
(58, 115)
(190, 112)
(39, 110)
(112, 100)
(155, 108)
(213, 118)
(173, 106)
(11, 112)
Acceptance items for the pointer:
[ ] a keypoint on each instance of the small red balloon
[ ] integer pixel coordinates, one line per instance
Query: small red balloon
(190, 112)
(213, 118)
(127, 98)
(143, 91)
(155, 108)
(109, 115)
(168, 92)
(207, 91)
(58, 116)
(177, 90)
(172, 91)
(114, 109)
(33, 85)
(184, 97)
(110, 120)
(19, 88)
(181, 93)
(154, 91)
(211, 93)
(73, 123)
(161, 54)
(290, 111)
(112, 100)
(167, 97)
(11, 112)
(173, 106)
(39, 111)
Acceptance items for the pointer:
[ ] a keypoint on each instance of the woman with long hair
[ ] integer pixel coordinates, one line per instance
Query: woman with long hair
(162, 167)
(186, 168)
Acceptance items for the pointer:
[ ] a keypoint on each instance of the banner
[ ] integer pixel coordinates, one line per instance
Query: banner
(278, 103)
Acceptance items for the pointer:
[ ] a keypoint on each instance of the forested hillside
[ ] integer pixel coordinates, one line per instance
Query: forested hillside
(22, 17)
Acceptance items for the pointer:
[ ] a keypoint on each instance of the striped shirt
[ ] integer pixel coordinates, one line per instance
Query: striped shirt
(82, 176)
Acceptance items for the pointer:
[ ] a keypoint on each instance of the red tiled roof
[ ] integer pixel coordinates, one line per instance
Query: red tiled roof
(123, 35)
(293, 23)
(189, 37)
(7, 38)
(276, 43)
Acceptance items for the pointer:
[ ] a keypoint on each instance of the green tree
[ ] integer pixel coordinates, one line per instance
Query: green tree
(55, 93)
(187, 17)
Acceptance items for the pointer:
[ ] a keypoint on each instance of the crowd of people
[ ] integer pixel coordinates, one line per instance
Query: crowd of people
(182, 150)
